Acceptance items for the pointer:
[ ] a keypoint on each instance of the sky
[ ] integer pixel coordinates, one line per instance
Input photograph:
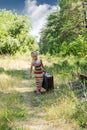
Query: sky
(37, 10)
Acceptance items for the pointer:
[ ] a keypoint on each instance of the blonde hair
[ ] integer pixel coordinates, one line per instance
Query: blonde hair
(33, 53)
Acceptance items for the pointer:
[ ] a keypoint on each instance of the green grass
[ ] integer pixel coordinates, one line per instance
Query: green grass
(21, 109)
(11, 109)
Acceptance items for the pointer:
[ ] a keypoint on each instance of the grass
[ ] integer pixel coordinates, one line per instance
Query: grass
(21, 109)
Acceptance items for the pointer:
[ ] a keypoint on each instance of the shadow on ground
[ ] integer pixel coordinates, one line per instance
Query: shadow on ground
(23, 74)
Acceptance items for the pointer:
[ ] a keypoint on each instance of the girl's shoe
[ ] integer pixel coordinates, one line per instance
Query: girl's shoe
(37, 92)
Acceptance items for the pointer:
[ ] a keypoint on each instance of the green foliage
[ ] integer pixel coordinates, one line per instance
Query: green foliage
(49, 35)
(80, 114)
(76, 48)
(64, 31)
(14, 33)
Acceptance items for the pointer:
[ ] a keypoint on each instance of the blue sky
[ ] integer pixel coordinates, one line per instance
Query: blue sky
(17, 5)
(36, 10)
(20, 4)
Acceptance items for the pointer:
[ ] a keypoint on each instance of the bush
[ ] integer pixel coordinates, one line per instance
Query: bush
(14, 33)
(76, 48)
(10, 45)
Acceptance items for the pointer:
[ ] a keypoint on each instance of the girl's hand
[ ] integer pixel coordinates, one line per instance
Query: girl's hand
(43, 69)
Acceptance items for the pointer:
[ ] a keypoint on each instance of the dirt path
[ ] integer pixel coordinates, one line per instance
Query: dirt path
(36, 115)
(16, 79)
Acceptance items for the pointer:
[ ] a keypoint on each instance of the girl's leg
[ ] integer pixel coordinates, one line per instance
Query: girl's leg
(39, 82)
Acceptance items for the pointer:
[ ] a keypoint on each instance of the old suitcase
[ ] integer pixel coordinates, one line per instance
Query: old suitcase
(48, 83)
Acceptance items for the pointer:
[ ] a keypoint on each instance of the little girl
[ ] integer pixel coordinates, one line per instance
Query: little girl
(38, 71)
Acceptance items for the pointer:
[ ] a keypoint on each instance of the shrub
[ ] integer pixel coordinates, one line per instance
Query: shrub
(14, 33)
(76, 48)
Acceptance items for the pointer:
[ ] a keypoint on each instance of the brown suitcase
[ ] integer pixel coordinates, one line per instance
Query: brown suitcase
(48, 82)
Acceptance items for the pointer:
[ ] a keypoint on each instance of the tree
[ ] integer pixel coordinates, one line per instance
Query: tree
(49, 34)
(14, 33)
(62, 26)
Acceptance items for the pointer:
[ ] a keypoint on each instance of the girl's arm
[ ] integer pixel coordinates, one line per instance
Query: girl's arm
(42, 66)
(31, 67)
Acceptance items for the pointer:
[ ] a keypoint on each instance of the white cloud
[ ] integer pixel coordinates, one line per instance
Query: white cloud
(38, 14)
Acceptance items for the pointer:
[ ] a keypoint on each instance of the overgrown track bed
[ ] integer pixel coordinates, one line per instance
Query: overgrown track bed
(21, 109)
